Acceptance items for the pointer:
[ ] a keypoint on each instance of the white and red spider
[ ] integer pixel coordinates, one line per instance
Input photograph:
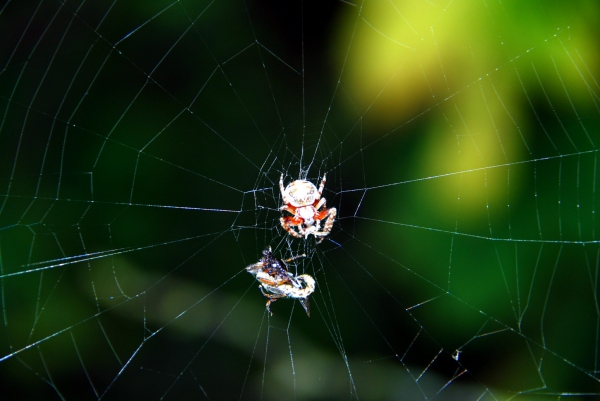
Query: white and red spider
(303, 200)
(277, 282)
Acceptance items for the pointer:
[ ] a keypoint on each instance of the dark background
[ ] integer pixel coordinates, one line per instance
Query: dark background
(141, 147)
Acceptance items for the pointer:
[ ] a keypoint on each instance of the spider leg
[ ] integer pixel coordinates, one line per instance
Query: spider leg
(282, 190)
(330, 220)
(291, 220)
(322, 184)
(289, 209)
(295, 257)
(324, 213)
(287, 222)
(319, 204)
(328, 223)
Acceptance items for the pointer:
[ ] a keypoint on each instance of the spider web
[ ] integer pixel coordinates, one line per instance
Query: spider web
(141, 148)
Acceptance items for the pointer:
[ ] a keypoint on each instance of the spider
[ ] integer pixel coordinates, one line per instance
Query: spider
(277, 282)
(302, 199)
